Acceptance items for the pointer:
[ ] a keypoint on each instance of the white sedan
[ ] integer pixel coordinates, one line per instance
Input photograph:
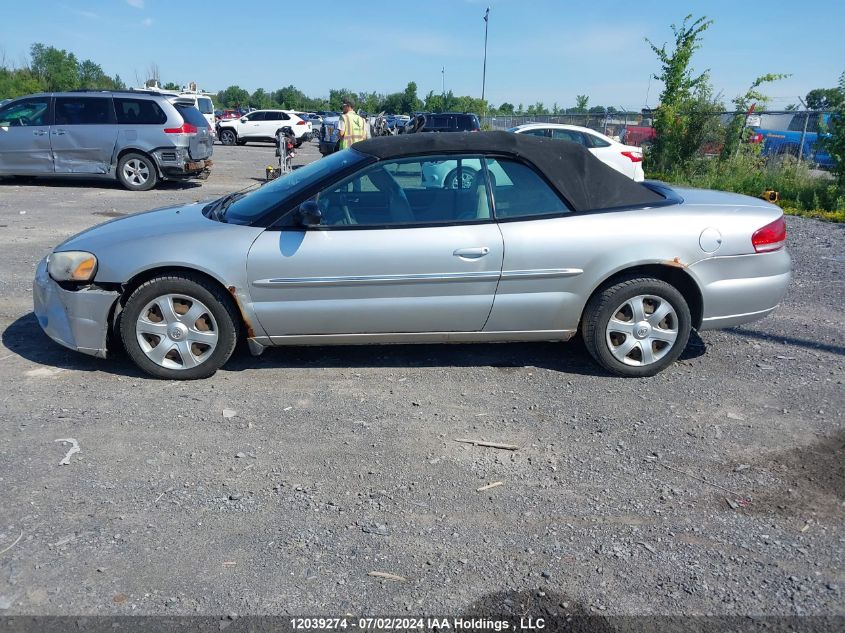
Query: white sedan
(625, 159)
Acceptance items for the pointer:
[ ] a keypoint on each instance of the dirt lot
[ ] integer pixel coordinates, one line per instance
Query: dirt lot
(714, 488)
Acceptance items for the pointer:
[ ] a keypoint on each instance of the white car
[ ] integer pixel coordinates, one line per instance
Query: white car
(626, 159)
(204, 104)
(261, 125)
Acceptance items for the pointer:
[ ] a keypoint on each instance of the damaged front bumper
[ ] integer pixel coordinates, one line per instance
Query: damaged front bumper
(76, 319)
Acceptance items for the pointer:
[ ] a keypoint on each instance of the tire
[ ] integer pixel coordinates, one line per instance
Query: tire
(192, 339)
(467, 177)
(631, 347)
(137, 172)
(228, 136)
(240, 142)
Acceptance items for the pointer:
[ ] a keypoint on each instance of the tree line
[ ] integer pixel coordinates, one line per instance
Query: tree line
(405, 102)
(50, 69)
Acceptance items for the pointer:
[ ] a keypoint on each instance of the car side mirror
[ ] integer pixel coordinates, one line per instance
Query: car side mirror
(310, 214)
(244, 119)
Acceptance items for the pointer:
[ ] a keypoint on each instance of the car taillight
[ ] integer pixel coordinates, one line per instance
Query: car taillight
(755, 138)
(636, 157)
(771, 237)
(185, 128)
(301, 122)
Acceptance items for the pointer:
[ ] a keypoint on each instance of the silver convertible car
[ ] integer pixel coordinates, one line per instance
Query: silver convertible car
(546, 242)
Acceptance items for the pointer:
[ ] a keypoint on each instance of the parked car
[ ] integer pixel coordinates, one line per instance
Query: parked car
(328, 136)
(204, 104)
(261, 125)
(625, 159)
(788, 142)
(138, 137)
(637, 135)
(397, 120)
(443, 122)
(352, 249)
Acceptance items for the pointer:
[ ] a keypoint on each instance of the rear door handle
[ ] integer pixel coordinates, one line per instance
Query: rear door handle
(472, 253)
(59, 132)
(40, 132)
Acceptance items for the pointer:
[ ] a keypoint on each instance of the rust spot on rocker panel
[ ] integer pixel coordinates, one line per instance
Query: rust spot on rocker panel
(249, 331)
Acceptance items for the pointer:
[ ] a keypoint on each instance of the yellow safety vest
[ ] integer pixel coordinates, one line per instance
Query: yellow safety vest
(354, 129)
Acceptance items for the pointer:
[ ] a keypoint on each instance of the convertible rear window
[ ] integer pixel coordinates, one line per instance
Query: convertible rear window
(256, 203)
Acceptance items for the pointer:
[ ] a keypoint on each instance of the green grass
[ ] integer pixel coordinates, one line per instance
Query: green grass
(801, 192)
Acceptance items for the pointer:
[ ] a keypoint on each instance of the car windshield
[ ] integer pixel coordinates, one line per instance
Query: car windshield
(256, 203)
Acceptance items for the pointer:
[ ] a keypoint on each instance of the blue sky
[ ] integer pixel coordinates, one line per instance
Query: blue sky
(538, 50)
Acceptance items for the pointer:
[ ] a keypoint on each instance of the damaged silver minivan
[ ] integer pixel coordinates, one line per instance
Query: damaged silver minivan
(138, 137)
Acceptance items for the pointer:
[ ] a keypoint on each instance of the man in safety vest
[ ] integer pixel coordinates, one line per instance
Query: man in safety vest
(351, 127)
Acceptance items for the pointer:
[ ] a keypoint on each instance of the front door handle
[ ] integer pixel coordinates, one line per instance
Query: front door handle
(472, 253)
(40, 132)
(59, 132)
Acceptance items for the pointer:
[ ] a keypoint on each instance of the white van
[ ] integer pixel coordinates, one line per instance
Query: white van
(203, 103)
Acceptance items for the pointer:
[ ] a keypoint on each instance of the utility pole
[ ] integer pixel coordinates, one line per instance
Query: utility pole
(443, 91)
(804, 131)
(484, 74)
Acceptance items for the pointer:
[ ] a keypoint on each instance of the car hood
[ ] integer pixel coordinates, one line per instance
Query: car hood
(139, 226)
(179, 236)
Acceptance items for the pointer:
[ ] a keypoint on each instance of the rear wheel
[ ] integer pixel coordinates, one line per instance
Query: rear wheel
(179, 327)
(467, 179)
(228, 137)
(137, 172)
(636, 327)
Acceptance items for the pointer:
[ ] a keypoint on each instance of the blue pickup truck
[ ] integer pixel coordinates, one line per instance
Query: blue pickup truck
(787, 142)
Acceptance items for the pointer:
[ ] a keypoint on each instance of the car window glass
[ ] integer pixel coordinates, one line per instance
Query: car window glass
(257, 116)
(26, 113)
(82, 110)
(520, 192)
(138, 111)
(193, 116)
(410, 191)
(205, 106)
(537, 132)
(568, 135)
(595, 141)
(256, 203)
(467, 122)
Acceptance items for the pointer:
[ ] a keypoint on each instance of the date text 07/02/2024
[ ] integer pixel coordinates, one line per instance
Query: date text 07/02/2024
(412, 623)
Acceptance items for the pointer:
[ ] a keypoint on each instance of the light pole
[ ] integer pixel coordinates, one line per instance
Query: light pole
(484, 73)
(443, 90)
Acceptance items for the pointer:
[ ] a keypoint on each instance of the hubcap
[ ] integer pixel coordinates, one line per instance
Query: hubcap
(176, 331)
(642, 330)
(136, 171)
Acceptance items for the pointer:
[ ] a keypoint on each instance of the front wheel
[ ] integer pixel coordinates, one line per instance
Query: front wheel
(637, 327)
(179, 327)
(228, 137)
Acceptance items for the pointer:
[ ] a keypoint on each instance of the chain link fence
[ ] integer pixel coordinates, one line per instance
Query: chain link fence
(793, 133)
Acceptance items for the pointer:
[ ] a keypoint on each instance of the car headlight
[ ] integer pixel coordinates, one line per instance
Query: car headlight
(72, 266)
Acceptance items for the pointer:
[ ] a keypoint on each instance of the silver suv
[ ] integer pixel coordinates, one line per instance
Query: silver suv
(138, 137)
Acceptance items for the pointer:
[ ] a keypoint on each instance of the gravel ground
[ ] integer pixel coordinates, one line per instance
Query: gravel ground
(277, 485)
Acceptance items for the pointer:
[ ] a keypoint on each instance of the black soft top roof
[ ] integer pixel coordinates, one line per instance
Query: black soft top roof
(581, 178)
